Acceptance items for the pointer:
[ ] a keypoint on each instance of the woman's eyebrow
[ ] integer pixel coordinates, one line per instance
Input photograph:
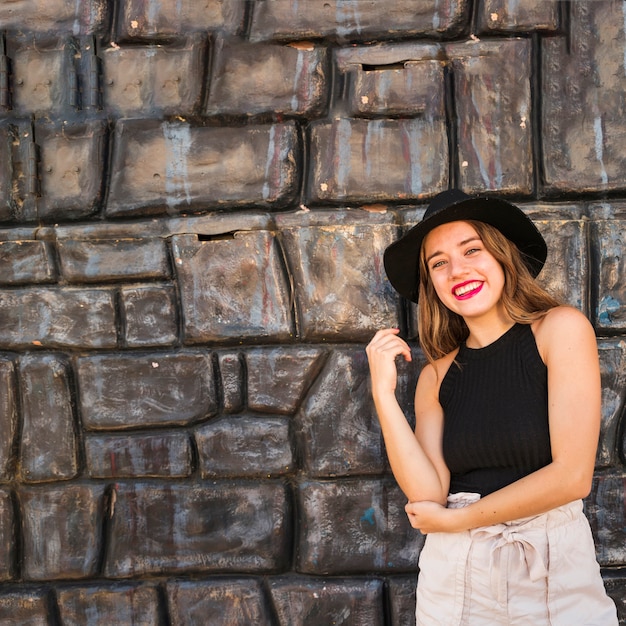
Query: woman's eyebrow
(460, 245)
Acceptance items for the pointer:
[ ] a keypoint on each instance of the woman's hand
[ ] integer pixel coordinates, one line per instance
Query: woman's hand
(432, 517)
(382, 351)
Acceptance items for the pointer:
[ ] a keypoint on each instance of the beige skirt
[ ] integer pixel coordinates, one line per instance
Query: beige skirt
(539, 571)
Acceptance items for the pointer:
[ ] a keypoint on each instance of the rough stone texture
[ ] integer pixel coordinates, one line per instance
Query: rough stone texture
(159, 389)
(122, 604)
(173, 167)
(57, 318)
(62, 530)
(583, 82)
(194, 200)
(252, 79)
(199, 602)
(233, 287)
(48, 447)
(172, 528)
(493, 110)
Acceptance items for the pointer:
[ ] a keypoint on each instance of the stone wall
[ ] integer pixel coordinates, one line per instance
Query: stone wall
(194, 199)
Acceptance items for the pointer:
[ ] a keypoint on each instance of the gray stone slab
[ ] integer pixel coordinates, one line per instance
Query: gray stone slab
(245, 446)
(172, 167)
(103, 260)
(341, 290)
(348, 601)
(336, 429)
(357, 526)
(137, 20)
(233, 288)
(224, 527)
(278, 378)
(57, 318)
(107, 603)
(8, 539)
(401, 594)
(118, 391)
(162, 454)
(566, 273)
(61, 530)
(497, 16)
(354, 21)
(150, 315)
(291, 80)
(583, 108)
(154, 81)
(64, 15)
(232, 601)
(8, 416)
(366, 161)
(608, 289)
(48, 446)
(25, 262)
(24, 606)
(613, 370)
(492, 94)
(232, 377)
(72, 160)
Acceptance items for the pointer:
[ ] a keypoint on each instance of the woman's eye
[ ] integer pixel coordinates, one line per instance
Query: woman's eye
(437, 264)
(472, 250)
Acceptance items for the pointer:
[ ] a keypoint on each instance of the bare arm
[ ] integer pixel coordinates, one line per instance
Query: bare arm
(568, 346)
(415, 458)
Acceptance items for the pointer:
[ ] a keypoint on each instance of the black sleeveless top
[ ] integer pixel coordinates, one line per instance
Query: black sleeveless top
(495, 403)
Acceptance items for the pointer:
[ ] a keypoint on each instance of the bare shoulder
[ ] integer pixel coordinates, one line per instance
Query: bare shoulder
(433, 373)
(561, 329)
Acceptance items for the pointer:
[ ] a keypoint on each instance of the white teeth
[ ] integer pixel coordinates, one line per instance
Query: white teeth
(467, 288)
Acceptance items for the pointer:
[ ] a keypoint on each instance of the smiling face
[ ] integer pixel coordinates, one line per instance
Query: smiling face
(465, 275)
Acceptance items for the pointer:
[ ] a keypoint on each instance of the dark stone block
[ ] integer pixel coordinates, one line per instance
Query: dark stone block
(8, 417)
(109, 604)
(494, 112)
(24, 606)
(233, 288)
(518, 17)
(201, 167)
(23, 262)
(608, 290)
(62, 528)
(349, 602)
(129, 390)
(607, 515)
(150, 315)
(616, 588)
(365, 161)
(73, 157)
(355, 527)
(151, 81)
(8, 539)
(223, 527)
(566, 272)
(245, 446)
(291, 19)
(57, 318)
(278, 378)
(613, 370)
(93, 260)
(138, 455)
(138, 21)
(583, 110)
(232, 375)
(341, 289)
(48, 447)
(236, 602)
(281, 80)
(45, 17)
(401, 593)
(415, 88)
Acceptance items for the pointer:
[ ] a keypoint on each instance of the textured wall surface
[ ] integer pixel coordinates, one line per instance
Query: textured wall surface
(194, 200)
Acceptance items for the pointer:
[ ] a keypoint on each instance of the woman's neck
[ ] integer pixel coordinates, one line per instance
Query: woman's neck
(485, 330)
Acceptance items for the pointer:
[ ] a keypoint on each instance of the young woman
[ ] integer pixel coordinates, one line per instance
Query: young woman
(507, 423)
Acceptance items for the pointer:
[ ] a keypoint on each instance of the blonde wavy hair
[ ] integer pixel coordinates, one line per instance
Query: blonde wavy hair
(441, 330)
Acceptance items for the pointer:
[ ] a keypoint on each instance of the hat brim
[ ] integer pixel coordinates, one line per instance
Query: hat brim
(401, 258)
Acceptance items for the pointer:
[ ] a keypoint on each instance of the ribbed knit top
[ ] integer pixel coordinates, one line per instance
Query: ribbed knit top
(495, 402)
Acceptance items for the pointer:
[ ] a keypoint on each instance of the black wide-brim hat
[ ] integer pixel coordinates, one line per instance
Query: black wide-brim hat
(401, 258)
